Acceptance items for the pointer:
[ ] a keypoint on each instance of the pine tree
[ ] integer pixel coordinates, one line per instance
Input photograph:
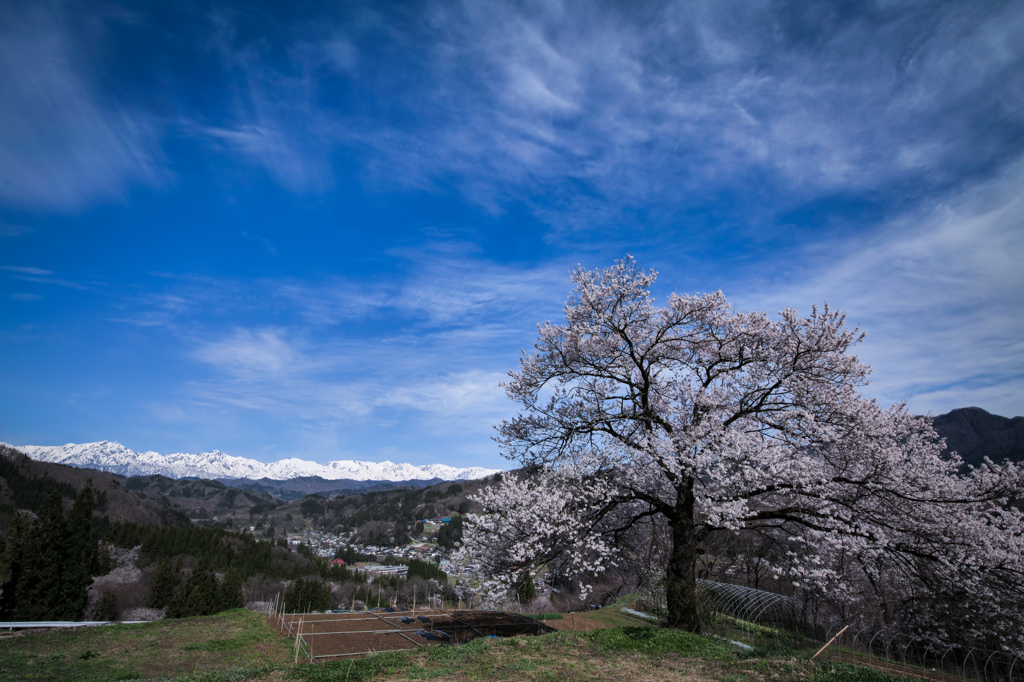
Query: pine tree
(201, 592)
(81, 548)
(230, 592)
(41, 587)
(12, 565)
(162, 584)
(309, 595)
(525, 589)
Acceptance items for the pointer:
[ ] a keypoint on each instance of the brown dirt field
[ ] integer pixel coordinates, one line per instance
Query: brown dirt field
(332, 635)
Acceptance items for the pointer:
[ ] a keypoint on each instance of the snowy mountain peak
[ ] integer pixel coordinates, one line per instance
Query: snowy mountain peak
(116, 458)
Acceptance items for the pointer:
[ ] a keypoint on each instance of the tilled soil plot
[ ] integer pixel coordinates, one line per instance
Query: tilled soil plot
(332, 635)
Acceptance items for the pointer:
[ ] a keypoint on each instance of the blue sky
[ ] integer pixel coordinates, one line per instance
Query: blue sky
(326, 230)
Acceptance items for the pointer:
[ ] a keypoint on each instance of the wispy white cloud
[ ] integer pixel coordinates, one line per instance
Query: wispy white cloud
(22, 270)
(423, 352)
(62, 145)
(8, 230)
(937, 290)
(250, 352)
(588, 112)
(272, 120)
(262, 240)
(38, 276)
(266, 144)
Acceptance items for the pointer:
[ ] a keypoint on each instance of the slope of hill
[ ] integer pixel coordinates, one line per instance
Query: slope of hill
(24, 483)
(294, 488)
(975, 434)
(116, 458)
(201, 499)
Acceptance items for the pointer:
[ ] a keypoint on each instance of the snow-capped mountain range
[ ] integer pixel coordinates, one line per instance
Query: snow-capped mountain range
(116, 458)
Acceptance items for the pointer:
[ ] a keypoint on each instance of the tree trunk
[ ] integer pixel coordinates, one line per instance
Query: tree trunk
(681, 577)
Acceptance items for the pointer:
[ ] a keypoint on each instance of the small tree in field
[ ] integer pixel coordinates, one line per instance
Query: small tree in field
(712, 419)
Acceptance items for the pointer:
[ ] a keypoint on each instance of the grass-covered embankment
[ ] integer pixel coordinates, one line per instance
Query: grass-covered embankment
(239, 645)
(163, 649)
(622, 653)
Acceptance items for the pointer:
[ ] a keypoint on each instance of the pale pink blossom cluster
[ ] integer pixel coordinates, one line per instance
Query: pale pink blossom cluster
(713, 420)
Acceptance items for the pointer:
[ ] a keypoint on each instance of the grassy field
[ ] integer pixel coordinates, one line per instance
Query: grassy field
(239, 645)
(187, 648)
(635, 653)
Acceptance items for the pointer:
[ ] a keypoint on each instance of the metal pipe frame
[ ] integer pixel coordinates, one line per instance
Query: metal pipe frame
(943, 659)
(871, 643)
(965, 663)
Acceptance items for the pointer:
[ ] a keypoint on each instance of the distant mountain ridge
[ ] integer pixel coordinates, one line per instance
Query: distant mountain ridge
(970, 431)
(975, 434)
(116, 458)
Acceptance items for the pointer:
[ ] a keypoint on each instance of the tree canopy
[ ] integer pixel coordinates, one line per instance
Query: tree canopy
(46, 564)
(709, 420)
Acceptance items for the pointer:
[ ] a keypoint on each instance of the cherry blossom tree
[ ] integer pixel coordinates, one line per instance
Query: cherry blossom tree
(711, 420)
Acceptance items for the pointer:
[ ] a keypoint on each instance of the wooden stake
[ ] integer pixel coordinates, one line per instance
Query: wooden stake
(829, 642)
(298, 633)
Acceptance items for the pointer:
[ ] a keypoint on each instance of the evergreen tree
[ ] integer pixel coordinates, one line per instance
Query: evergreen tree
(162, 584)
(450, 534)
(12, 565)
(525, 589)
(41, 587)
(201, 596)
(230, 592)
(81, 548)
(308, 595)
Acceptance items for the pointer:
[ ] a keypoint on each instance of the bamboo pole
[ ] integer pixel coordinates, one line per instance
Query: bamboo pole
(298, 634)
(829, 642)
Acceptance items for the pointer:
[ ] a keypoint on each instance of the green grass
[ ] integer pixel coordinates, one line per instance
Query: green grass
(658, 642)
(844, 672)
(613, 654)
(230, 645)
(239, 646)
(217, 645)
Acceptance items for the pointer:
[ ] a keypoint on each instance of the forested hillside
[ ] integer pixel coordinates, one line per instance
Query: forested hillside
(976, 434)
(151, 546)
(25, 484)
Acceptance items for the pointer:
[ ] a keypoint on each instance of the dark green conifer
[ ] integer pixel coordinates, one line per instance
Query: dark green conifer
(81, 548)
(162, 584)
(525, 589)
(201, 591)
(230, 592)
(12, 565)
(41, 587)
